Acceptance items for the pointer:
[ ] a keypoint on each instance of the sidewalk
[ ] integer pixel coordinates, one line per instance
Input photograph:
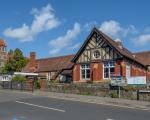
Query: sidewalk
(133, 104)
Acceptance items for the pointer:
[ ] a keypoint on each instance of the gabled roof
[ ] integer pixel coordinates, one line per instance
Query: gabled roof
(122, 51)
(52, 64)
(143, 56)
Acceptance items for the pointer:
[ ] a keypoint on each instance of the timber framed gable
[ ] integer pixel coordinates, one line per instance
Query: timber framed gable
(96, 47)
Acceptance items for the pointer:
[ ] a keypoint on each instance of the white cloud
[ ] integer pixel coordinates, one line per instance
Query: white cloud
(147, 29)
(75, 46)
(65, 41)
(22, 33)
(142, 40)
(89, 25)
(44, 20)
(54, 51)
(114, 29)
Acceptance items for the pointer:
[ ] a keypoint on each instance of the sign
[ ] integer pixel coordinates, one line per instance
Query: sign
(117, 81)
(140, 80)
(5, 78)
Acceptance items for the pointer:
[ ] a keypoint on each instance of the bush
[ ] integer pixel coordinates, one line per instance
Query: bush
(113, 94)
(134, 88)
(19, 78)
(37, 84)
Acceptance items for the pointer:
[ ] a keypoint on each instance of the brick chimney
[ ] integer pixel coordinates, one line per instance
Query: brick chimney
(32, 61)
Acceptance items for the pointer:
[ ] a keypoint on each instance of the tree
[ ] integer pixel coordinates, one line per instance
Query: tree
(16, 61)
(19, 78)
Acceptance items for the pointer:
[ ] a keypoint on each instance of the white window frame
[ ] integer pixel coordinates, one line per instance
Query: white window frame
(128, 70)
(86, 68)
(109, 66)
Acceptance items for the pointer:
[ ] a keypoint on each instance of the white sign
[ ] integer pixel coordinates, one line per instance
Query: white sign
(5, 78)
(140, 80)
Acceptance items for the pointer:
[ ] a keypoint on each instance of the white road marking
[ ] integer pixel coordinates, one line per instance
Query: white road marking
(49, 108)
(109, 119)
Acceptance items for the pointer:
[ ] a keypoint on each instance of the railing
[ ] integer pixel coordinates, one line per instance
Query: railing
(142, 92)
(18, 85)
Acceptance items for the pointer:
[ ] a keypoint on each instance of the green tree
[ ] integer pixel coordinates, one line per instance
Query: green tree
(19, 78)
(16, 61)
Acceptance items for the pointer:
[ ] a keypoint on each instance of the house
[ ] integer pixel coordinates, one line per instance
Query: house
(55, 68)
(100, 58)
(3, 53)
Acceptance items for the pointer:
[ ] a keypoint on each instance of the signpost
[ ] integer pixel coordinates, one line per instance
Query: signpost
(118, 81)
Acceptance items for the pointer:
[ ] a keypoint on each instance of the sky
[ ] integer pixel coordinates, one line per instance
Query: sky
(59, 27)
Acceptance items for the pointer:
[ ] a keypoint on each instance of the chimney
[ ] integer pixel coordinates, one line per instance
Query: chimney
(119, 43)
(32, 61)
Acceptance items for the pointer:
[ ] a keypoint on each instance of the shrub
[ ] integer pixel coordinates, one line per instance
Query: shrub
(37, 84)
(19, 78)
(113, 94)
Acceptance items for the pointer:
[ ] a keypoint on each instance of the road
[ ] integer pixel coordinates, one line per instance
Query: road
(24, 106)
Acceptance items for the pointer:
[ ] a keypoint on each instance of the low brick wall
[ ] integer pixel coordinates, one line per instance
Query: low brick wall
(86, 89)
(95, 90)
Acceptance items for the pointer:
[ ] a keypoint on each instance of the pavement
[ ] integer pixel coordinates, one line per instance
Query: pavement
(16, 105)
(97, 100)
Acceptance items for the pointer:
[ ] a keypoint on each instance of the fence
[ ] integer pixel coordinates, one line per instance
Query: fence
(18, 85)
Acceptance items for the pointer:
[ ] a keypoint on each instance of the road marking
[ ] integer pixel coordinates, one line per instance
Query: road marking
(49, 108)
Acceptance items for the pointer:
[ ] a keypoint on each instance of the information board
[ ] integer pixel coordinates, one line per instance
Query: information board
(140, 80)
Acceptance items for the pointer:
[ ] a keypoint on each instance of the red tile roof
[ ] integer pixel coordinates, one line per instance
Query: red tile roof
(143, 57)
(52, 64)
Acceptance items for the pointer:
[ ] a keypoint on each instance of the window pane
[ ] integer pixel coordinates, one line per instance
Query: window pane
(106, 72)
(112, 64)
(82, 66)
(88, 66)
(106, 75)
(83, 74)
(85, 71)
(88, 73)
(112, 70)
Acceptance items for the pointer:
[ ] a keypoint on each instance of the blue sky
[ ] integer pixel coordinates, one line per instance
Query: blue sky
(59, 27)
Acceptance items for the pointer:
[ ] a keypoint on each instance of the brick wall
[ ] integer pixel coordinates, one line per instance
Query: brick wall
(120, 69)
(76, 72)
(96, 71)
(148, 76)
(135, 71)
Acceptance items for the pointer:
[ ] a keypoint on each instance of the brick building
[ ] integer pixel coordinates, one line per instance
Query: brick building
(3, 53)
(55, 68)
(100, 58)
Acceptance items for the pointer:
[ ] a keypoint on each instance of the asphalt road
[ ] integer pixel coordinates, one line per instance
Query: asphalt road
(22, 106)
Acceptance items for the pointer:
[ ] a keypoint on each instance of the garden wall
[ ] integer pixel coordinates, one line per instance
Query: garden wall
(101, 90)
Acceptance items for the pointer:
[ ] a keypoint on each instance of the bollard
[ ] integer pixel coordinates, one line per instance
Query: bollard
(138, 96)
